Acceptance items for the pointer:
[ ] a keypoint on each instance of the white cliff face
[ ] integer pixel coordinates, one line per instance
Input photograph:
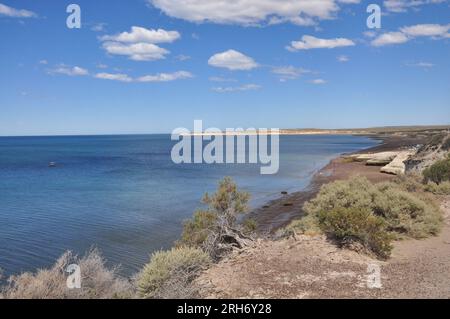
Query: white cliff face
(397, 165)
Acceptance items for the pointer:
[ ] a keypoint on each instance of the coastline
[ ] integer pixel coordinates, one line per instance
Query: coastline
(279, 212)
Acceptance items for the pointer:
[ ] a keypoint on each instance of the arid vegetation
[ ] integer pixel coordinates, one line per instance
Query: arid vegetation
(98, 281)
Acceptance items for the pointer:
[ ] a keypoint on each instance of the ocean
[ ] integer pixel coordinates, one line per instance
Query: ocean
(123, 194)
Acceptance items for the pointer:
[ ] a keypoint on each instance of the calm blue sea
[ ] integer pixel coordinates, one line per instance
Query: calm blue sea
(123, 194)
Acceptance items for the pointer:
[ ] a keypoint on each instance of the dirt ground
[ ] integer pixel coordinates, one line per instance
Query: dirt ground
(311, 267)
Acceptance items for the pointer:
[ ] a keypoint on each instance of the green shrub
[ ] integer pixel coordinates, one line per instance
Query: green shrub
(197, 229)
(404, 213)
(409, 182)
(438, 189)
(176, 266)
(438, 172)
(216, 229)
(350, 225)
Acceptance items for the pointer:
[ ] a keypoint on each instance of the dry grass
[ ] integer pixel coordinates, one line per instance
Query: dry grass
(97, 281)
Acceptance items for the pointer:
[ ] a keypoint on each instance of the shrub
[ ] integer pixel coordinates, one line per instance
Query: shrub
(438, 172)
(216, 230)
(404, 213)
(197, 229)
(438, 189)
(97, 281)
(409, 182)
(407, 214)
(171, 272)
(307, 225)
(350, 225)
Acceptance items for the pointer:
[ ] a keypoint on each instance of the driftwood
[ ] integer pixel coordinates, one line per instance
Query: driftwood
(224, 238)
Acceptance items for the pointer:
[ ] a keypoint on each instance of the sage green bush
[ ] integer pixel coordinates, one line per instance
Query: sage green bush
(170, 272)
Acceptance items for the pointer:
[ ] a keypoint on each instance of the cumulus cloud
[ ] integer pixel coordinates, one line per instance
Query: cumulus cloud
(390, 38)
(309, 42)
(229, 89)
(139, 34)
(160, 77)
(140, 43)
(70, 71)
(289, 72)
(232, 60)
(251, 12)
(435, 31)
(136, 51)
(426, 30)
(15, 13)
(404, 5)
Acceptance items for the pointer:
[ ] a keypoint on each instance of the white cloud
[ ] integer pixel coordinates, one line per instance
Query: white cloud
(114, 77)
(165, 77)
(343, 58)
(289, 72)
(309, 42)
(251, 12)
(390, 38)
(70, 71)
(160, 77)
(136, 51)
(435, 31)
(140, 43)
(139, 34)
(232, 60)
(318, 81)
(16, 13)
(426, 30)
(229, 89)
(44, 62)
(404, 5)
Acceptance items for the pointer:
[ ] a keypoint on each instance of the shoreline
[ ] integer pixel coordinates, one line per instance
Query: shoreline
(279, 212)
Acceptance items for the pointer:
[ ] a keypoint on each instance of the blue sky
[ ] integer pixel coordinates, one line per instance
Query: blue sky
(252, 63)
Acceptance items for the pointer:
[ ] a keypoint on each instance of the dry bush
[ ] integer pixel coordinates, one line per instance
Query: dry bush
(97, 281)
(216, 229)
(169, 274)
(340, 209)
(352, 225)
(438, 189)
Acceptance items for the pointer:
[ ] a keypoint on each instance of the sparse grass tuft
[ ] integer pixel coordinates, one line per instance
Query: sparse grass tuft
(169, 274)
